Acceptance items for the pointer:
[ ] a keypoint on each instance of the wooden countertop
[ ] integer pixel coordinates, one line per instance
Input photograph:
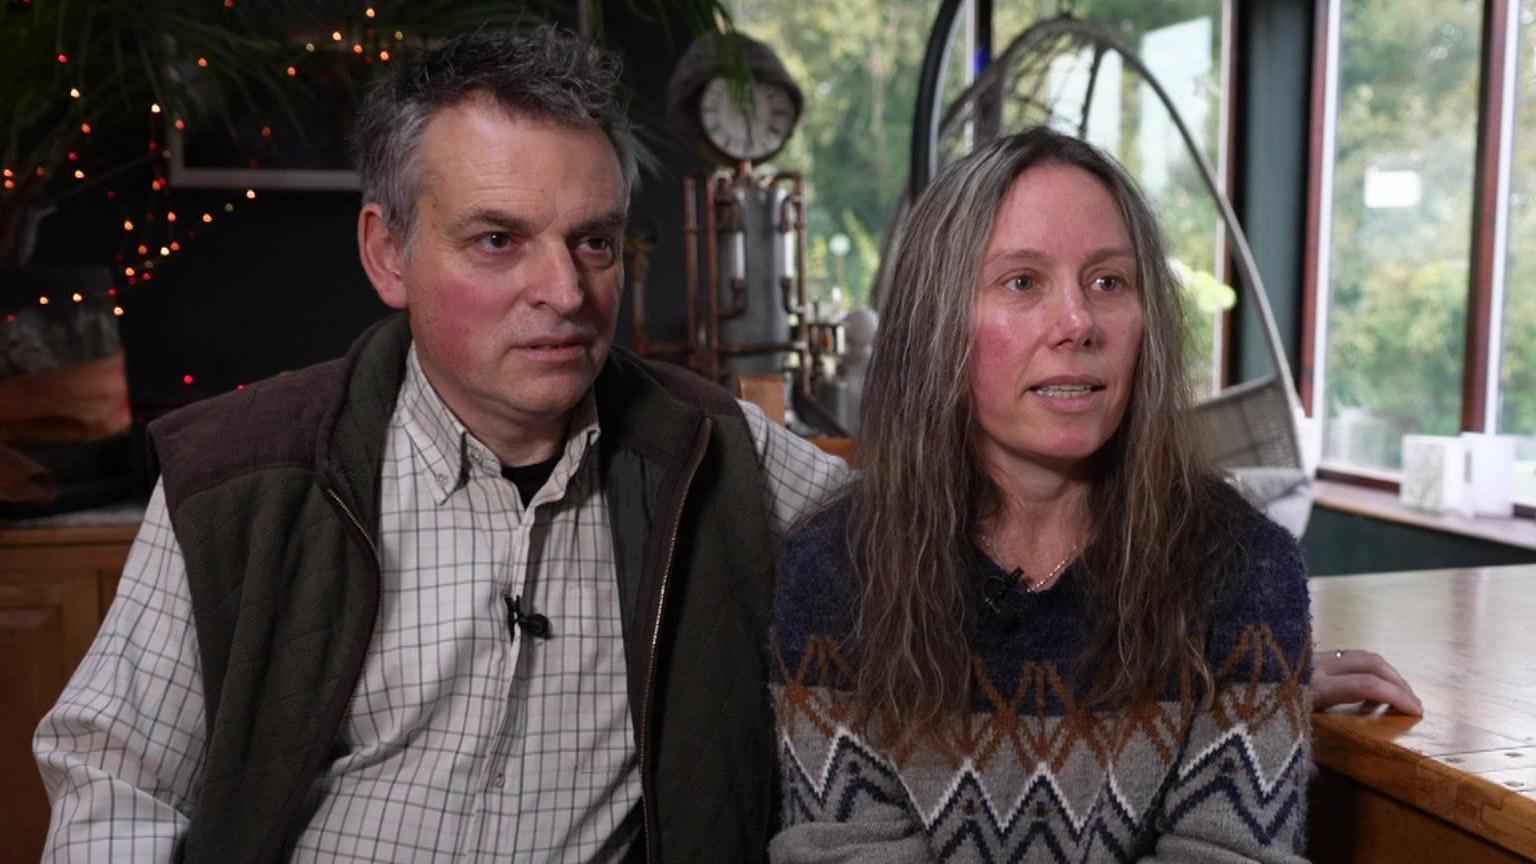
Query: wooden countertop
(1462, 638)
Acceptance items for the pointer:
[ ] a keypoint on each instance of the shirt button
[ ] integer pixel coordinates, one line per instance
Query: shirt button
(499, 781)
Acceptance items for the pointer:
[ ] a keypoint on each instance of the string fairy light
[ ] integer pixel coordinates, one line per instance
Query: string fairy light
(156, 234)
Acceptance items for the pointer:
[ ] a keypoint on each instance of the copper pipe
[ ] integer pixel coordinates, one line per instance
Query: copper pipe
(712, 276)
(668, 349)
(796, 199)
(639, 245)
(709, 365)
(734, 225)
(739, 349)
(691, 268)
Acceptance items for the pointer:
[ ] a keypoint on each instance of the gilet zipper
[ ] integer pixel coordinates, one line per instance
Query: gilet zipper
(647, 797)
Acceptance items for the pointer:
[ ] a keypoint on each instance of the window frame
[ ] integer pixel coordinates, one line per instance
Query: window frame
(1488, 256)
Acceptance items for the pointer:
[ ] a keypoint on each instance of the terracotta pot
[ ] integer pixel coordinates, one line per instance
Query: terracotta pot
(65, 422)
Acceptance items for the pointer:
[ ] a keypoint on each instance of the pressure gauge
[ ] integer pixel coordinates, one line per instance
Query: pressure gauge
(746, 126)
(733, 99)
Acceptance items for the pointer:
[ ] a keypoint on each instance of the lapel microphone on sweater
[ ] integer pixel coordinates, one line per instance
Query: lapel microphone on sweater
(532, 623)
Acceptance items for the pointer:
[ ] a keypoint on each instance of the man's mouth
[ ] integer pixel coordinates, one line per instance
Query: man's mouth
(562, 350)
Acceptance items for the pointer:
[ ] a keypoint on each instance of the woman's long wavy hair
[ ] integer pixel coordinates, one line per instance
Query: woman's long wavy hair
(1160, 517)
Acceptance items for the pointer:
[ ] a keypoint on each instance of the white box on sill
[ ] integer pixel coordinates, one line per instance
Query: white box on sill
(1434, 472)
(1490, 475)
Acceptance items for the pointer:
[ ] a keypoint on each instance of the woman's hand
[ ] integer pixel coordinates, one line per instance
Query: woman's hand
(1343, 676)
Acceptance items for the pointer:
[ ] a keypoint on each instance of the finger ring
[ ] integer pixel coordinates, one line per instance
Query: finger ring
(1339, 654)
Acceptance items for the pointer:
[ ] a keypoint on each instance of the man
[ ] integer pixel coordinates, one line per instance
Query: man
(484, 588)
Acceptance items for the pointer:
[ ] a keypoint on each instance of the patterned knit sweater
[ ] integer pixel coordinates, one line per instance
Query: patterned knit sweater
(1039, 778)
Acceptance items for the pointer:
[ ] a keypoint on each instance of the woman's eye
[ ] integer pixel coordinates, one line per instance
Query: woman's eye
(1020, 283)
(1109, 283)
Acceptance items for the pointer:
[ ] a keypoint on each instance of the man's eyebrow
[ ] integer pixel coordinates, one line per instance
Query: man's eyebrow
(611, 222)
(492, 217)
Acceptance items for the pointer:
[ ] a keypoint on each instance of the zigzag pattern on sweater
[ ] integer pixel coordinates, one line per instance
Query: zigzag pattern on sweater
(1229, 773)
(1033, 784)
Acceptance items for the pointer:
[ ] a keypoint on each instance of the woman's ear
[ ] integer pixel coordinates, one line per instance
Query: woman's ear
(382, 254)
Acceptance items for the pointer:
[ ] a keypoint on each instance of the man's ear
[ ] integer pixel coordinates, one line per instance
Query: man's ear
(382, 254)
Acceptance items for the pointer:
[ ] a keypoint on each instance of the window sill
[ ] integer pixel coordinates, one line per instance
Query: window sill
(1377, 504)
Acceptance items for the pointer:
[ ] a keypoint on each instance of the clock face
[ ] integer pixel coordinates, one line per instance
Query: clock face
(752, 131)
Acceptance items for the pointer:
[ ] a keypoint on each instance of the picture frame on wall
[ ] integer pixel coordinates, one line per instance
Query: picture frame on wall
(300, 145)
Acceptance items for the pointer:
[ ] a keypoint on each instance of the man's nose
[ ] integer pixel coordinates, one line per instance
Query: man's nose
(556, 281)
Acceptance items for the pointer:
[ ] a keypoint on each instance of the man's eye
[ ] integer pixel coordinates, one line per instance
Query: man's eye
(602, 250)
(495, 240)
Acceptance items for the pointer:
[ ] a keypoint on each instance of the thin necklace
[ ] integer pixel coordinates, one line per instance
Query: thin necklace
(1018, 572)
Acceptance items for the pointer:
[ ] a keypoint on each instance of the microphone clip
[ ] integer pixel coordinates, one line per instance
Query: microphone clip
(532, 623)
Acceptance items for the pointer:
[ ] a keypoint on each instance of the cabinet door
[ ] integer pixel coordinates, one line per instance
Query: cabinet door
(50, 607)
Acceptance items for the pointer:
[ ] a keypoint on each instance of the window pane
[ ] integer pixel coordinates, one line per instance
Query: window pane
(1517, 372)
(1401, 237)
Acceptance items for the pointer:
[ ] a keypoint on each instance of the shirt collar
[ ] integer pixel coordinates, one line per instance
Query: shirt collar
(451, 454)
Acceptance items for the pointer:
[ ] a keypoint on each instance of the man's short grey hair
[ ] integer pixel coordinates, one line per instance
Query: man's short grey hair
(543, 73)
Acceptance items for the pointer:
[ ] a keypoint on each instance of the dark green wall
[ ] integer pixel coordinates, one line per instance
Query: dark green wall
(1274, 66)
(1337, 542)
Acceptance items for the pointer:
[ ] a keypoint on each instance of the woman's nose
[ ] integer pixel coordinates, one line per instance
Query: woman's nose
(1074, 323)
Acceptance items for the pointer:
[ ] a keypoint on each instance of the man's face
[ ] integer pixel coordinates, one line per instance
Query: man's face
(513, 273)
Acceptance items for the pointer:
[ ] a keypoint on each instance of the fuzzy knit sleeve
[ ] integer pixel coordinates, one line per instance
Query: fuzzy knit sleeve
(1238, 791)
(842, 801)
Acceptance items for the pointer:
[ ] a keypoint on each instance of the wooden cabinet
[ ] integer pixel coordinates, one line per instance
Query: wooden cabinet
(55, 586)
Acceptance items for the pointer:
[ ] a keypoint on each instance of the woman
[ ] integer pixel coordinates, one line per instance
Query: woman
(1038, 627)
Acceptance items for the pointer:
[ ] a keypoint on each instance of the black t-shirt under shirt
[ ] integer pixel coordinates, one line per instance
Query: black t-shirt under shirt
(529, 479)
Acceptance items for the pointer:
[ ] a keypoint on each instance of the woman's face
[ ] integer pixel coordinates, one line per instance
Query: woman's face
(1058, 322)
